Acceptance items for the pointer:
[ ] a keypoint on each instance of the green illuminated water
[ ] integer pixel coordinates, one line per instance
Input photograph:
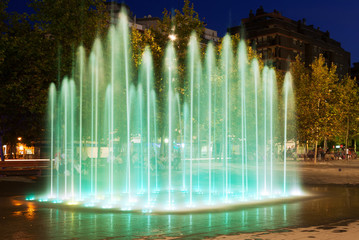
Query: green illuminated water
(117, 142)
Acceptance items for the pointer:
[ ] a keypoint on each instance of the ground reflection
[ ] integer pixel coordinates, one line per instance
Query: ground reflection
(199, 225)
(333, 204)
(28, 208)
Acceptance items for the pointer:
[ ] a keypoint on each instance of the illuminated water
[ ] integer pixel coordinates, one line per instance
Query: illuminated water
(217, 140)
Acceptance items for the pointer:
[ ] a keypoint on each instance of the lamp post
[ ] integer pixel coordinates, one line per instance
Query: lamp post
(21, 147)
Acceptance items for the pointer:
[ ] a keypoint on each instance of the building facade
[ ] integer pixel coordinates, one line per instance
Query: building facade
(280, 39)
(149, 21)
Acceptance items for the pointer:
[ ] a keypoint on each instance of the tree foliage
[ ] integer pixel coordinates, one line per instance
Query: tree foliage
(29, 59)
(325, 104)
(181, 24)
(70, 24)
(24, 80)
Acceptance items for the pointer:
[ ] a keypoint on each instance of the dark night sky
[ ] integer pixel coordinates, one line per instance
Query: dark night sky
(340, 18)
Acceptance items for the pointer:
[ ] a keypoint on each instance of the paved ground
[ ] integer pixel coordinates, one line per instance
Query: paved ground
(343, 231)
(332, 172)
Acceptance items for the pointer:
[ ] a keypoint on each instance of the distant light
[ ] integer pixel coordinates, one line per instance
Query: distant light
(107, 206)
(297, 192)
(166, 140)
(19, 138)
(21, 147)
(172, 37)
(30, 198)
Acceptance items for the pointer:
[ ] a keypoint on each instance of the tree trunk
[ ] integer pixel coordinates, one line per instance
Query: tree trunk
(325, 144)
(316, 151)
(306, 147)
(355, 145)
(347, 136)
(296, 152)
(12, 150)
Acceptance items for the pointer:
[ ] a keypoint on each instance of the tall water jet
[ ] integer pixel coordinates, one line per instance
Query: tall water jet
(170, 76)
(81, 63)
(242, 67)
(289, 120)
(125, 56)
(209, 76)
(51, 125)
(193, 74)
(226, 62)
(146, 80)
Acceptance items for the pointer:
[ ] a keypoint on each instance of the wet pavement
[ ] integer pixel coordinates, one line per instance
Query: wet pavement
(20, 219)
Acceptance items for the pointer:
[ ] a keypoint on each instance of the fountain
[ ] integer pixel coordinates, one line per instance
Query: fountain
(116, 143)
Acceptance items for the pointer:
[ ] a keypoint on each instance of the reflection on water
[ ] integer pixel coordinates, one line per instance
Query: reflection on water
(28, 212)
(27, 221)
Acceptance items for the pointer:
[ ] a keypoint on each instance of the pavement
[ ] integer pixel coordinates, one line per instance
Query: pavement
(344, 230)
(341, 172)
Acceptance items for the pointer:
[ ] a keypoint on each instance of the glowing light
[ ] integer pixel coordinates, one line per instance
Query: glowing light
(172, 37)
(265, 193)
(126, 208)
(107, 206)
(166, 140)
(133, 200)
(19, 138)
(30, 198)
(296, 192)
(146, 210)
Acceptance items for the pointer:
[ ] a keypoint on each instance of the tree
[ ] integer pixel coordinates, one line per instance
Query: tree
(3, 28)
(70, 24)
(29, 59)
(3, 41)
(24, 80)
(318, 98)
(349, 111)
(181, 24)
